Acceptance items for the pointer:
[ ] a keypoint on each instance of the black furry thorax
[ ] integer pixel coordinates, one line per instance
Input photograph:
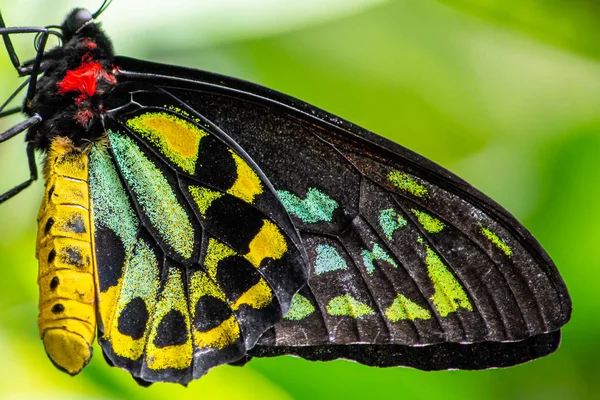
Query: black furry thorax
(71, 95)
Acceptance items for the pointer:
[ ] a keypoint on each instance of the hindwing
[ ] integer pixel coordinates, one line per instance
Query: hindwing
(196, 257)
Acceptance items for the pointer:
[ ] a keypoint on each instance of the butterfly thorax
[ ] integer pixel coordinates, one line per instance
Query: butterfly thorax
(71, 94)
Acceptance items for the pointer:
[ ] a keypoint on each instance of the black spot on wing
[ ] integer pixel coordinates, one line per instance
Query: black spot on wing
(235, 275)
(234, 222)
(133, 319)
(172, 330)
(210, 313)
(110, 257)
(216, 166)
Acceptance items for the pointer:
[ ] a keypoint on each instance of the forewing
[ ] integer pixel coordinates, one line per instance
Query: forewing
(408, 264)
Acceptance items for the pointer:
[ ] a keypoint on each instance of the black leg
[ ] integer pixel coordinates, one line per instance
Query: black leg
(10, 111)
(33, 67)
(6, 32)
(12, 132)
(21, 127)
(11, 97)
(35, 70)
(32, 176)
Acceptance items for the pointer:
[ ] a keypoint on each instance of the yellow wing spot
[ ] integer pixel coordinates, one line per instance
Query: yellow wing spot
(172, 298)
(403, 308)
(140, 280)
(223, 335)
(248, 184)
(449, 294)
(175, 137)
(495, 239)
(203, 285)
(258, 296)
(216, 252)
(268, 242)
(408, 184)
(203, 197)
(108, 306)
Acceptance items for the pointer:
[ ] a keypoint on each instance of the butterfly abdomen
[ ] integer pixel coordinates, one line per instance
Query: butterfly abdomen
(67, 319)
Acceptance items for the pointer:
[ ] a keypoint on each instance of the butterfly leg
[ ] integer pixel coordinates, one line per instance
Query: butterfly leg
(40, 44)
(13, 110)
(32, 67)
(12, 132)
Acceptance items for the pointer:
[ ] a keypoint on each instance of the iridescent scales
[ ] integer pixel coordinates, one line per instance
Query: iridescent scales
(495, 239)
(390, 221)
(169, 342)
(347, 305)
(407, 183)
(429, 223)
(110, 202)
(154, 194)
(328, 259)
(377, 253)
(402, 308)
(316, 207)
(115, 226)
(127, 324)
(300, 308)
(173, 136)
(449, 294)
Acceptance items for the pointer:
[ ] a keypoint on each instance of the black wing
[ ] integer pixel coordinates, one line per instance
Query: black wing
(408, 264)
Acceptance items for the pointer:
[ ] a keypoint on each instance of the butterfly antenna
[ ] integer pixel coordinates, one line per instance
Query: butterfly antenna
(102, 8)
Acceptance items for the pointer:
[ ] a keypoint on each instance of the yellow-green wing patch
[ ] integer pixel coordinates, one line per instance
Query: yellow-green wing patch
(449, 294)
(347, 305)
(174, 137)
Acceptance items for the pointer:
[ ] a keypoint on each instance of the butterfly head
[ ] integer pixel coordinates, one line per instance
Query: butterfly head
(80, 18)
(76, 21)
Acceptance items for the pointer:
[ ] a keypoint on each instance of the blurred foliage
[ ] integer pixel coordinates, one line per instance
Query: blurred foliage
(509, 113)
(569, 24)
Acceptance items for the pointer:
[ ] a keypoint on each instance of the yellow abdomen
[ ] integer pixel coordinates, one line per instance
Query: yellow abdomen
(67, 319)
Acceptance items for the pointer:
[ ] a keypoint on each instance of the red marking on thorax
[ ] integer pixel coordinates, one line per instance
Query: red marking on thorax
(84, 117)
(84, 79)
(89, 44)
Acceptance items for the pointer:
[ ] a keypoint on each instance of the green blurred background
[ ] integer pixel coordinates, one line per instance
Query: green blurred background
(504, 93)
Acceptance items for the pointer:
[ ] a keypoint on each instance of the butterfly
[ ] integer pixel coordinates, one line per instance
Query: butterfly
(192, 220)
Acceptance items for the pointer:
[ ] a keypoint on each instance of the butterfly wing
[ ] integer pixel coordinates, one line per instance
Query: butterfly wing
(196, 257)
(407, 263)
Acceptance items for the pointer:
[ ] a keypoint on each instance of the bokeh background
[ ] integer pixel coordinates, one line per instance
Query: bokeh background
(504, 93)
